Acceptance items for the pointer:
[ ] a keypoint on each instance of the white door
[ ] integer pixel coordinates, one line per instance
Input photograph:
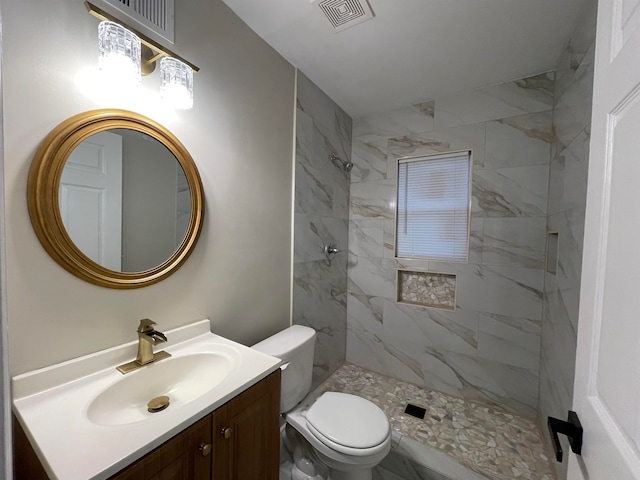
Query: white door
(607, 385)
(91, 198)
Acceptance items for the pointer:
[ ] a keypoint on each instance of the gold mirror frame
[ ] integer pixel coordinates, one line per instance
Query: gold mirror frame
(42, 196)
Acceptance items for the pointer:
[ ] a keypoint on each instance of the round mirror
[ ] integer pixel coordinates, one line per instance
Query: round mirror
(115, 199)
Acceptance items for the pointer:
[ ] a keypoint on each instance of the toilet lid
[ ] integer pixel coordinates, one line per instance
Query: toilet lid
(348, 420)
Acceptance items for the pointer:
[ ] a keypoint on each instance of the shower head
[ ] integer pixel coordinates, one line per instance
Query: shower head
(338, 162)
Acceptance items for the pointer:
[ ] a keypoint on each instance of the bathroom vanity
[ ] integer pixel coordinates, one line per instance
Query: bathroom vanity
(215, 447)
(79, 420)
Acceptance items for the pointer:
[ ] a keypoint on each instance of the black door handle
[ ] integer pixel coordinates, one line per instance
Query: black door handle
(572, 428)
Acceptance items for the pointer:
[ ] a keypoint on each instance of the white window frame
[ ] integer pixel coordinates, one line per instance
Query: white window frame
(416, 158)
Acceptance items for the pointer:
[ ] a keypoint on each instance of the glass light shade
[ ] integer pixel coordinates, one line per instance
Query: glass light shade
(119, 59)
(176, 83)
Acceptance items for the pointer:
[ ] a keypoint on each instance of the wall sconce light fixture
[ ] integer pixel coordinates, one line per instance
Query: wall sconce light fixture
(176, 83)
(119, 57)
(126, 54)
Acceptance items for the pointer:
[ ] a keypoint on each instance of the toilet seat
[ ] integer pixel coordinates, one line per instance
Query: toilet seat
(348, 424)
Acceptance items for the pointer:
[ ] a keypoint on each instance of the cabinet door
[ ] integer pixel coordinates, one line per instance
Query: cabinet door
(187, 456)
(246, 434)
(26, 465)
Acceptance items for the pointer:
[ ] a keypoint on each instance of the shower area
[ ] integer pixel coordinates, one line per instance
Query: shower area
(506, 351)
(321, 224)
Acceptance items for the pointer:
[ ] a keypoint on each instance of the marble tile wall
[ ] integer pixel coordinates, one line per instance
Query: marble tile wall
(567, 200)
(321, 217)
(489, 347)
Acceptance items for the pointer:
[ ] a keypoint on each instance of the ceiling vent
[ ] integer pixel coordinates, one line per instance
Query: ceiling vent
(344, 14)
(154, 17)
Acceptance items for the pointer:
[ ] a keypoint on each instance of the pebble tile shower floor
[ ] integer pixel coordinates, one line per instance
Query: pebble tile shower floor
(485, 439)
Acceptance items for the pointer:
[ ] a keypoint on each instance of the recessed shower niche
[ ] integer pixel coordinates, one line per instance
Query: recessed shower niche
(552, 253)
(427, 289)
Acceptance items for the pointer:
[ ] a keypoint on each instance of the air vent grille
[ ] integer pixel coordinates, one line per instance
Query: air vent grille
(155, 15)
(154, 11)
(346, 13)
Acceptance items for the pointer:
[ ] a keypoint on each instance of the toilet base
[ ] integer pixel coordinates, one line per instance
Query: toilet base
(303, 454)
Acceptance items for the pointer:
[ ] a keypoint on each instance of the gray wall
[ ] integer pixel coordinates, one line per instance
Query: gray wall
(240, 135)
(489, 347)
(567, 200)
(321, 217)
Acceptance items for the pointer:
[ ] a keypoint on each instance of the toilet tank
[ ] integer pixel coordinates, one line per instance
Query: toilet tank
(294, 346)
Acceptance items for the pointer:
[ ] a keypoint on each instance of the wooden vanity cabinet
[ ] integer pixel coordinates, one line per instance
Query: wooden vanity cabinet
(246, 434)
(187, 456)
(238, 441)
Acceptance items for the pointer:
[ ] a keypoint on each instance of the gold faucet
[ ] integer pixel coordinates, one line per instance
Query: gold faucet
(147, 338)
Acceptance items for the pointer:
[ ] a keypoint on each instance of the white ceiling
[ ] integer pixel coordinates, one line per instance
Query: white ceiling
(414, 50)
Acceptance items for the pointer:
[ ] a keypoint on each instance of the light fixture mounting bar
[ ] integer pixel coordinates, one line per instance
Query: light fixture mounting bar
(160, 50)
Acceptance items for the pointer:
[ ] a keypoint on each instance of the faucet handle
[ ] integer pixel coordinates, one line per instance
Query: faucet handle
(158, 337)
(146, 325)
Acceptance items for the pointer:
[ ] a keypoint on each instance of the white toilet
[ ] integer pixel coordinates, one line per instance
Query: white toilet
(349, 435)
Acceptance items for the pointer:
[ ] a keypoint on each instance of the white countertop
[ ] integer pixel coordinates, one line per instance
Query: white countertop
(52, 404)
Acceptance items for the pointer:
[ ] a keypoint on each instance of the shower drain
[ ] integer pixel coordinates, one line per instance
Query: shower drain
(415, 411)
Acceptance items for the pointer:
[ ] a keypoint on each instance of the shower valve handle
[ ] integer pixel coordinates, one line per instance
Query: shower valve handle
(329, 251)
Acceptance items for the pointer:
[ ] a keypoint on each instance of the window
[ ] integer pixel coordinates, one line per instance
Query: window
(433, 206)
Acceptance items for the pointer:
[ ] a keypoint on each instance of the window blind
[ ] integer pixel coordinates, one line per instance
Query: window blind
(433, 207)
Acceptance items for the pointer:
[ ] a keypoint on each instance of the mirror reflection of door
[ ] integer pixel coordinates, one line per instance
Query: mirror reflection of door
(125, 200)
(90, 198)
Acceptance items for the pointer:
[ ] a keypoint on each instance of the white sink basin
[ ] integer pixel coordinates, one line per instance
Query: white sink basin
(87, 407)
(182, 379)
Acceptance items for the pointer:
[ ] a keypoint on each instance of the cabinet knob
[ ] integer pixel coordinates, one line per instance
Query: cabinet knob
(205, 449)
(227, 432)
